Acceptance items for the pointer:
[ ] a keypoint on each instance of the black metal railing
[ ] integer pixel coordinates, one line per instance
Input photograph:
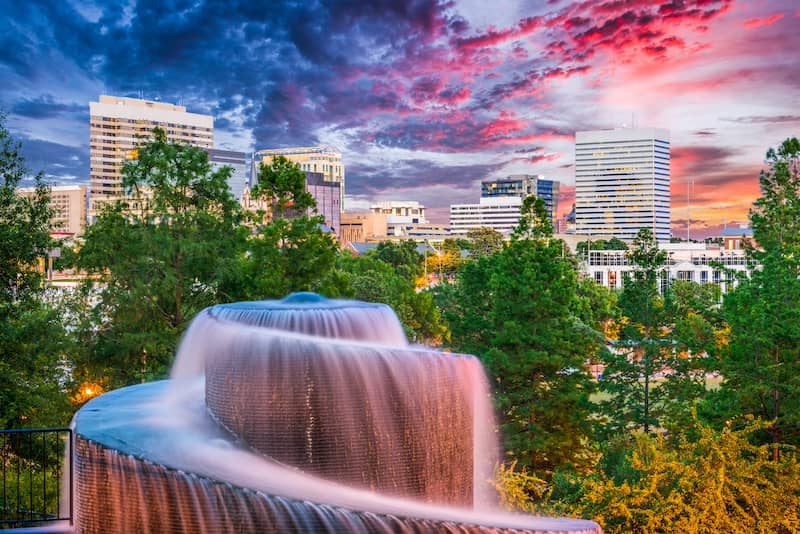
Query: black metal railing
(36, 483)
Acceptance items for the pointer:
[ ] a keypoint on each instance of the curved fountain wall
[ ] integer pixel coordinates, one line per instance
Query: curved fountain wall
(309, 430)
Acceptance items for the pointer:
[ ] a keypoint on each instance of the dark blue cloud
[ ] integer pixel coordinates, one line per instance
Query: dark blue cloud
(46, 107)
(56, 161)
(369, 180)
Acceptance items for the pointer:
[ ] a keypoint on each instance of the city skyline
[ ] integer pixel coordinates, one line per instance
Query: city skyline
(425, 100)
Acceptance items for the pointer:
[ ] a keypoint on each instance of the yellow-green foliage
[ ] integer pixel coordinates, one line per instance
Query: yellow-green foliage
(716, 483)
(519, 490)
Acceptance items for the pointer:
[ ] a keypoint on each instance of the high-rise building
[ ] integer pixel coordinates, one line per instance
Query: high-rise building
(622, 180)
(524, 185)
(67, 205)
(499, 213)
(237, 161)
(322, 159)
(548, 191)
(118, 125)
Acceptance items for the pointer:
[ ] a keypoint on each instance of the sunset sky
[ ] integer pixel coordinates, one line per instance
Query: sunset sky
(425, 99)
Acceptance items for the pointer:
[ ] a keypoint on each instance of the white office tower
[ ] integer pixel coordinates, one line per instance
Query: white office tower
(499, 213)
(622, 182)
(118, 125)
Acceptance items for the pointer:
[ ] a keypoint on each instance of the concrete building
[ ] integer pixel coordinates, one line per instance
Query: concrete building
(362, 228)
(321, 159)
(693, 262)
(238, 162)
(548, 190)
(524, 185)
(499, 213)
(401, 216)
(328, 196)
(68, 205)
(118, 125)
(622, 181)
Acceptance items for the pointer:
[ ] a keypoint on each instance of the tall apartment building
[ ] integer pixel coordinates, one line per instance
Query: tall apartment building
(322, 159)
(401, 215)
(68, 205)
(237, 161)
(622, 180)
(523, 185)
(118, 125)
(499, 213)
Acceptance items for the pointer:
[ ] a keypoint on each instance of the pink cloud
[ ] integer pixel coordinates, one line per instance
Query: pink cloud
(766, 21)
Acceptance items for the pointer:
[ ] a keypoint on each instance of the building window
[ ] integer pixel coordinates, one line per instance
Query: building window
(612, 279)
(598, 277)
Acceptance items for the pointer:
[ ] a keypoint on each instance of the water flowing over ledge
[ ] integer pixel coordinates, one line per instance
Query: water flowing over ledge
(337, 425)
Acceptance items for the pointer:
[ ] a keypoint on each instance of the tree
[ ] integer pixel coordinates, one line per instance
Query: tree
(372, 279)
(289, 248)
(710, 481)
(761, 365)
(641, 352)
(484, 241)
(283, 185)
(32, 338)
(519, 310)
(402, 256)
(656, 372)
(157, 257)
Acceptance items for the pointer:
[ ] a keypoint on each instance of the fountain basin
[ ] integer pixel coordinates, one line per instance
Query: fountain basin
(143, 468)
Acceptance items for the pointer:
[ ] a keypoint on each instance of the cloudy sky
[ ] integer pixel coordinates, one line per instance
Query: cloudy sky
(424, 98)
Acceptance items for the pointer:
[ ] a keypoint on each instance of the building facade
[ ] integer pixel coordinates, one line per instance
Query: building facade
(319, 159)
(402, 216)
(622, 182)
(548, 191)
(361, 228)
(516, 185)
(693, 262)
(499, 213)
(235, 160)
(118, 125)
(328, 196)
(68, 205)
(524, 185)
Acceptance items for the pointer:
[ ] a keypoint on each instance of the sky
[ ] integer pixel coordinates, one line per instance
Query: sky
(424, 98)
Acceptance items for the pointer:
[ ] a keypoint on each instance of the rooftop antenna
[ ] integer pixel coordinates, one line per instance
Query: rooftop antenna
(689, 186)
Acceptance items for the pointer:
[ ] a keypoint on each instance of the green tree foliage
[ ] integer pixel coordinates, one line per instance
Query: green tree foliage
(288, 249)
(371, 279)
(614, 243)
(520, 311)
(32, 337)
(711, 482)
(656, 371)
(283, 185)
(642, 349)
(402, 256)
(761, 365)
(158, 256)
(484, 241)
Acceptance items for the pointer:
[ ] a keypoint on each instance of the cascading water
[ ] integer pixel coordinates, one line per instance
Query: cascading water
(300, 415)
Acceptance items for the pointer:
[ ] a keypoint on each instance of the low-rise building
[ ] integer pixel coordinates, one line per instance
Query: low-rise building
(68, 205)
(693, 262)
(500, 213)
(401, 216)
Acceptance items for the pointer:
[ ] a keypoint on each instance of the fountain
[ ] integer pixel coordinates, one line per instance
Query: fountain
(299, 415)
